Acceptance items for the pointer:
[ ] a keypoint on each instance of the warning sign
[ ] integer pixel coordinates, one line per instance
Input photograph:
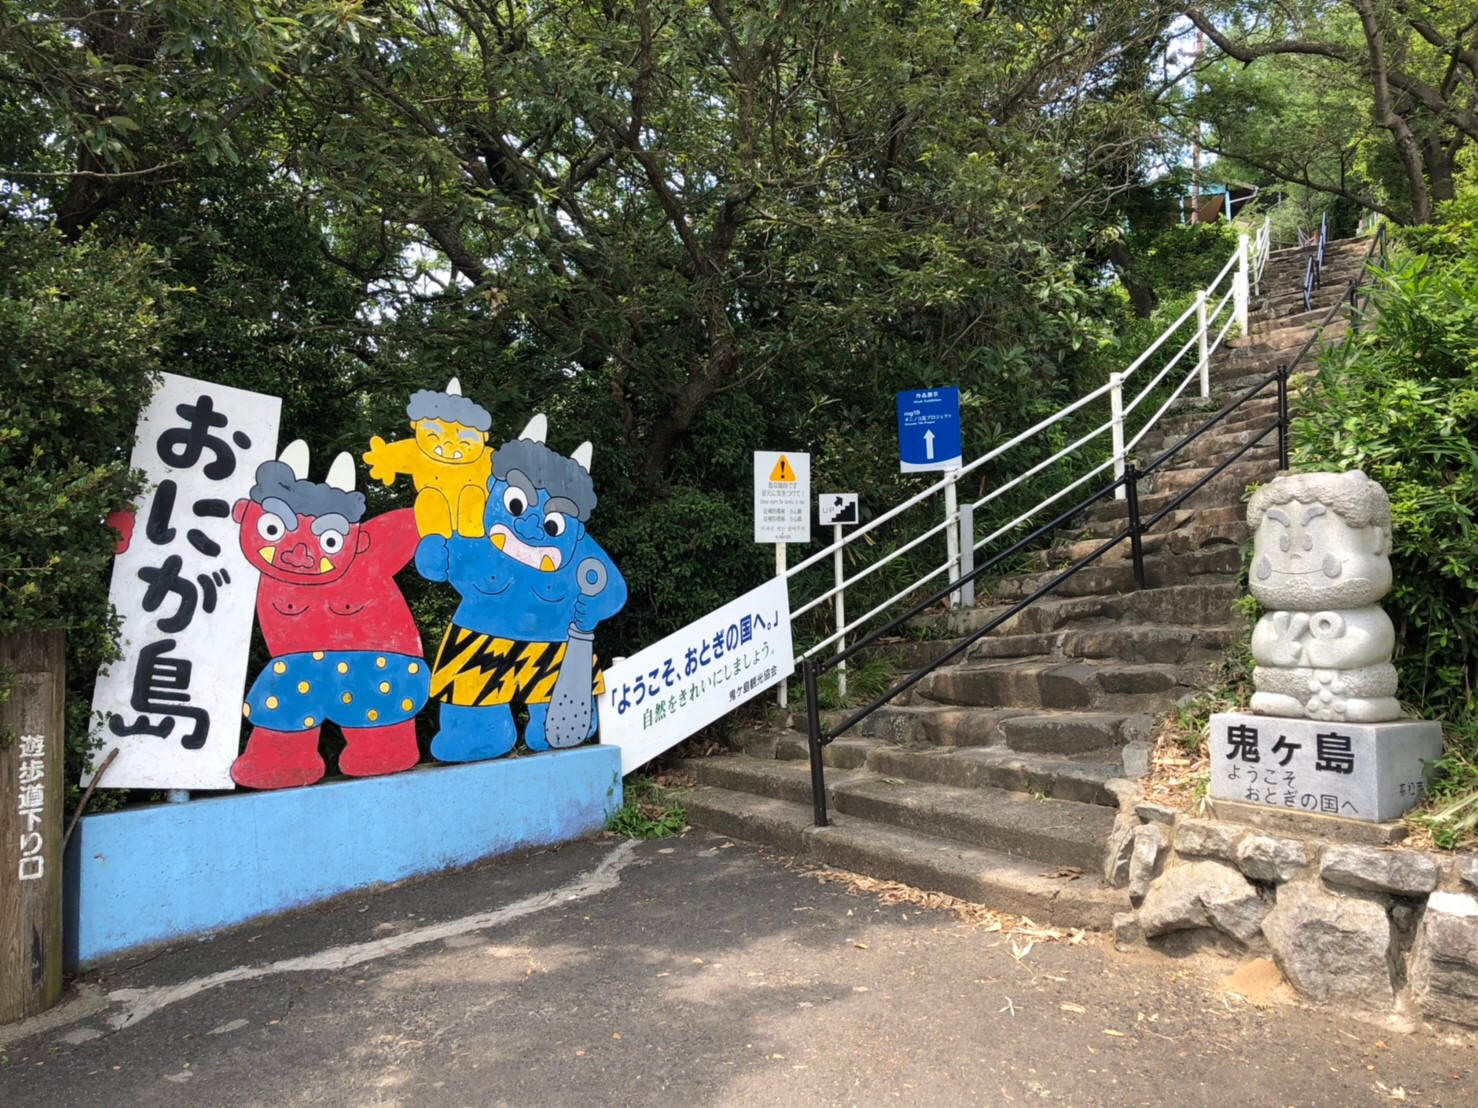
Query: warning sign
(782, 496)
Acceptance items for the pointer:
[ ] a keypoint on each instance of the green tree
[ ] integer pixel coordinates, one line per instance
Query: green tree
(1332, 75)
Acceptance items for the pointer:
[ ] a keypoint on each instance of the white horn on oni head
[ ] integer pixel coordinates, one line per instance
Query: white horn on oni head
(537, 429)
(341, 473)
(295, 456)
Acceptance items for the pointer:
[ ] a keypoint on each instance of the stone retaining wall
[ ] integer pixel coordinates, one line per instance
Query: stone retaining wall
(1378, 928)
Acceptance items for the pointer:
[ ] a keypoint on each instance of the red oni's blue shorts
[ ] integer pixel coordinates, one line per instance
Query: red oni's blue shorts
(353, 688)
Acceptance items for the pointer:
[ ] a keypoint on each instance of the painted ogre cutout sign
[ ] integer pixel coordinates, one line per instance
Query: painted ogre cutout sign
(448, 460)
(172, 703)
(344, 646)
(533, 589)
(507, 530)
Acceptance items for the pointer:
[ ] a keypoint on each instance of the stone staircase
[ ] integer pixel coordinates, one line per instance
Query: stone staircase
(997, 778)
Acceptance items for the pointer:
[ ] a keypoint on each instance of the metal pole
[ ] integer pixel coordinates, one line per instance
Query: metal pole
(1282, 417)
(1203, 363)
(951, 534)
(780, 697)
(967, 553)
(813, 741)
(1116, 429)
(1242, 282)
(841, 609)
(1136, 546)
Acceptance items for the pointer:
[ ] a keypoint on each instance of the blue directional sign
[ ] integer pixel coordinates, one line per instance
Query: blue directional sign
(929, 430)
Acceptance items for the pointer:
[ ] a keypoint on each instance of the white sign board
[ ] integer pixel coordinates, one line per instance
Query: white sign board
(837, 508)
(186, 595)
(782, 496)
(658, 697)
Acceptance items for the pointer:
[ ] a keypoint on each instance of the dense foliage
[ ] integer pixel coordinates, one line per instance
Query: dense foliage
(1399, 399)
(685, 231)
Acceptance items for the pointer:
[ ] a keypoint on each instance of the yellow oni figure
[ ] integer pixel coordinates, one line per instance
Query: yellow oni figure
(448, 461)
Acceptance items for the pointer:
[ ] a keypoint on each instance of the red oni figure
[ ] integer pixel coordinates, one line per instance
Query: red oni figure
(344, 646)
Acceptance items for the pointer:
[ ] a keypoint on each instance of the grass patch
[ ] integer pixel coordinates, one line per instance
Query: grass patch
(647, 813)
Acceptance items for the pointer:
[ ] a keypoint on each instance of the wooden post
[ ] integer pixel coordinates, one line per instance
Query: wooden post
(31, 727)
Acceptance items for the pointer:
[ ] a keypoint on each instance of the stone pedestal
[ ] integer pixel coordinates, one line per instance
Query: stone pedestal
(1364, 771)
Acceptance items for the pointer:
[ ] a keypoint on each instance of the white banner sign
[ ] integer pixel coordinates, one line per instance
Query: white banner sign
(661, 695)
(187, 598)
(782, 496)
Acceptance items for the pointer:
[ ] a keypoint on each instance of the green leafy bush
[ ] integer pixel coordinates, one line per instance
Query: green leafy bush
(81, 328)
(1398, 398)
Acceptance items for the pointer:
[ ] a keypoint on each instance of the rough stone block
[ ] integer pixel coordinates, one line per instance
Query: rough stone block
(1467, 870)
(1403, 872)
(1208, 838)
(1144, 862)
(1331, 829)
(1444, 961)
(1120, 851)
(1331, 947)
(1362, 771)
(1136, 759)
(1149, 812)
(1269, 858)
(1127, 934)
(1203, 894)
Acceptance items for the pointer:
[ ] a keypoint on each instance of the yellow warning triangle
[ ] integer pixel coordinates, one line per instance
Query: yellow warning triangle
(783, 470)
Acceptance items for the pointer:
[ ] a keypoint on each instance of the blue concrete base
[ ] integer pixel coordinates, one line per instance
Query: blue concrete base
(148, 875)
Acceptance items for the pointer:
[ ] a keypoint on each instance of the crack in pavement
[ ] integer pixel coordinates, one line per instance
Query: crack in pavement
(139, 1004)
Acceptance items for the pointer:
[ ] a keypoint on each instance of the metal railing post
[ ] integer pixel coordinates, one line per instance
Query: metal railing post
(1116, 409)
(1282, 417)
(813, 741)
(1136, 543)
(967, 554)
(951, 532)
(1242, 282)
(1203, 363)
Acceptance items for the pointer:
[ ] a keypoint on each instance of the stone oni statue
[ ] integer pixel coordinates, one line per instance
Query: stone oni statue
(1321, 564)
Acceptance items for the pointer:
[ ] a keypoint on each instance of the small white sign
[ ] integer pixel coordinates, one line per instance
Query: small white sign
(782, 496)
(658, 697)
(186, 595)
(837, 507)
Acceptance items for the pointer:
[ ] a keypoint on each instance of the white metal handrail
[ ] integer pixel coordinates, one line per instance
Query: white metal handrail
(1245, 269)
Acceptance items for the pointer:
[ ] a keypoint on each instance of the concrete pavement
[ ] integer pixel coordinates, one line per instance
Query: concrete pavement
(692, 971)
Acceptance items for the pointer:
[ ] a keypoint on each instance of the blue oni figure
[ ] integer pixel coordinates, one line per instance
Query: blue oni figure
(533, 590)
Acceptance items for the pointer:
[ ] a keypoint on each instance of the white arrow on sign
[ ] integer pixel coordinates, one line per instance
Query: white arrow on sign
(928, 444)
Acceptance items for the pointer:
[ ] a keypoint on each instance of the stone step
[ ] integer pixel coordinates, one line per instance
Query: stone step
(1111, 524)
(1059, 684)
(1109, 578)
(1238, 475)
(1168, 537)
(1083, 777)
(1205, 602)
(1288, 335)
(1007, 884)
(1013, 823)
(1128, 642)
(923, 724)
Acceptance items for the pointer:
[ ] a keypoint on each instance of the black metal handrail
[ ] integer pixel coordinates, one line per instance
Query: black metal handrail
(1137, 526)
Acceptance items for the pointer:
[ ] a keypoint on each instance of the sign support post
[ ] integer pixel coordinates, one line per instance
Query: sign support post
(782, 509)
(780, 693)
(31, 823)
(840, 603)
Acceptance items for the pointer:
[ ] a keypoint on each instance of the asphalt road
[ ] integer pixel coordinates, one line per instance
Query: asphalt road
(692, 971)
